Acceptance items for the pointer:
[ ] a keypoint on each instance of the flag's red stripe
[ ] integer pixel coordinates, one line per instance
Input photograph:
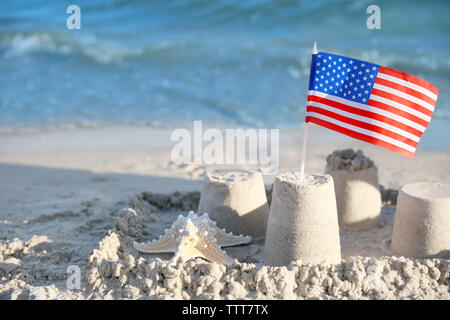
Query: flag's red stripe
(363, 125)
(360, 136)
(407, 90)
(409, 78)
(403, 101)
(397, 111)
(366, 113)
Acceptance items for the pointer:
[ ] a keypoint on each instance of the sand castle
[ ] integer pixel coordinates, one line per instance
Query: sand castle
(305, 215)
(357, 189)
(236, 200)
(303, 221)
(422, 221)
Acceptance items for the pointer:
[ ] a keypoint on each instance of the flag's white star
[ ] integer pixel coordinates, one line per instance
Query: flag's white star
(374, 68)
(351, 61)
(354, 97)
(360, 72)
(340, 59)
(364, 99)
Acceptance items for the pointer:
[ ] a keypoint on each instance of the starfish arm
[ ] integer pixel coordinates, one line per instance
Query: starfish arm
(225, 239)
(212, 252)
(166, 243)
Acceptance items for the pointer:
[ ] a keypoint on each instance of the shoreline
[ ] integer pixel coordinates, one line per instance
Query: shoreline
(431, 140)
(146, 151)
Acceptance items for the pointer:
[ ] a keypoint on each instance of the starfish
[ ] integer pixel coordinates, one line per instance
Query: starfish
(194, 236)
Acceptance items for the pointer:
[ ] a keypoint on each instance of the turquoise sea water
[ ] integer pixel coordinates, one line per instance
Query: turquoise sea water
(239, 62)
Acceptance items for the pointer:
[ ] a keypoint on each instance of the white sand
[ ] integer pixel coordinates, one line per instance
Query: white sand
(62, 195)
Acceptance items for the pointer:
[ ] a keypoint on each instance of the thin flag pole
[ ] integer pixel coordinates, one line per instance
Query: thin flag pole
(305, 137)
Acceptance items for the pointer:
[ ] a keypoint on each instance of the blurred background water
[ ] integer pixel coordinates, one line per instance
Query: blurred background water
(233, 61)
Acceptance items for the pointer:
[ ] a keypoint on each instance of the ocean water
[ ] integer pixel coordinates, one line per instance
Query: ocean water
(233, 61)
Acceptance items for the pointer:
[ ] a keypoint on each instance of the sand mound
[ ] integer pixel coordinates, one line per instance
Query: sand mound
(348, 159)
(98, 238)
(117, 270)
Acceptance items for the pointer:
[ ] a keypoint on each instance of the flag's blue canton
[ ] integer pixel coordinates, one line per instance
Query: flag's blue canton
(344, 77)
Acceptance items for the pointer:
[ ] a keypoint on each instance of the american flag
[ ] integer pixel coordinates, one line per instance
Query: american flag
(369, 102)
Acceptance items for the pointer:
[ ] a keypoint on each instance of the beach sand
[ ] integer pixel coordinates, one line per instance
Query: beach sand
(65, 199)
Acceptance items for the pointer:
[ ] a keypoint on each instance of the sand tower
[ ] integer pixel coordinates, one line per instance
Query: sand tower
(236, 200)
(422, 221)
(303, 221)
(358, 196)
